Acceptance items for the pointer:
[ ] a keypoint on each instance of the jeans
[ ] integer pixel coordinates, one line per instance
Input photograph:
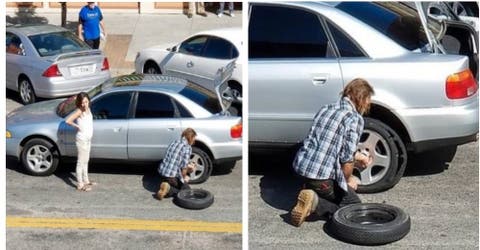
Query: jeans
(93, 43)
(331, 195)
(175, 185)
(222, 7)
(83, 156)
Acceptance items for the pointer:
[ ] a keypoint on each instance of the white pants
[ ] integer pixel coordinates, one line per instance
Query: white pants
(83, 155)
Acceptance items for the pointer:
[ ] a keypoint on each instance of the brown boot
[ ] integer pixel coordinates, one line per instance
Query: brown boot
(164, 188)
(307, 201)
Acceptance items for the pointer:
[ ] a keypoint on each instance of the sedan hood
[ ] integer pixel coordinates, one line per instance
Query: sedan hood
(35, 113)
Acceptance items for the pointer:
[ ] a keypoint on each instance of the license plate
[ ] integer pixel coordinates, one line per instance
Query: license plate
(82, 70)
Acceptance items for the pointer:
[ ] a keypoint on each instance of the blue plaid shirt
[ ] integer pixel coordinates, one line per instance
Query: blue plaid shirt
(177, 157)
(332, 141)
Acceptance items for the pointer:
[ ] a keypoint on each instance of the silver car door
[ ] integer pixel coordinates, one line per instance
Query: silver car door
(110, 125)
(292, 72)
(184, 60)
(154, 126)
(14, 60)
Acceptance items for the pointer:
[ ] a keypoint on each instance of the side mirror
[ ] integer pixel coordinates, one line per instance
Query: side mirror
(174, 49)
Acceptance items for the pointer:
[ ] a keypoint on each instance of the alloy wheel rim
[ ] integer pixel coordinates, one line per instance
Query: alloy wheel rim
(382, 155)
(39, 158)
(25, 91)
(200, 167)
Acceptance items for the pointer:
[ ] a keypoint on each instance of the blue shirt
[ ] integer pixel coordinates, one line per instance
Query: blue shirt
(177, 157)
(90, 19)
(332, 141)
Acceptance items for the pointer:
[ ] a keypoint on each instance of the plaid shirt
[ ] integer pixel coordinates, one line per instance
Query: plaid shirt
(332, 141)
(177, 157)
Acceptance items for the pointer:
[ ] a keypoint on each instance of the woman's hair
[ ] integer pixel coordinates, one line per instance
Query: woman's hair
(79, 99)
(358, 91)
(189, 134)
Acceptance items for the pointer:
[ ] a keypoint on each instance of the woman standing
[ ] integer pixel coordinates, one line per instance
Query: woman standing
(84, 126)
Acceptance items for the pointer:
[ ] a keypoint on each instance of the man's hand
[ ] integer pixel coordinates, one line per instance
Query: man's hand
(352, 182)
(362, 161)
(186, 178)
(191, 166)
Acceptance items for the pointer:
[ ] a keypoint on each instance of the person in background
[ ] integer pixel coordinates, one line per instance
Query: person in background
(175, 167)
(90, 20)
(222, 7)
(326, 160)
(82, 120)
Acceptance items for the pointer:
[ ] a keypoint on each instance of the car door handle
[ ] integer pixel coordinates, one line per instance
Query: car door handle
(319, 80)
(171, 129)
(190, 64)
(116, 130)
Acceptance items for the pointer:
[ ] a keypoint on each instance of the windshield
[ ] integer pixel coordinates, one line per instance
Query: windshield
(395, 20)
(52, 44)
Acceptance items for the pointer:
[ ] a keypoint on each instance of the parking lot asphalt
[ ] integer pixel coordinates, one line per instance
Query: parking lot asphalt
(440, 196)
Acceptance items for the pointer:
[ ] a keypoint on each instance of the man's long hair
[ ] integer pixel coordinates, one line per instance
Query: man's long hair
(189, 134)
(358, 91)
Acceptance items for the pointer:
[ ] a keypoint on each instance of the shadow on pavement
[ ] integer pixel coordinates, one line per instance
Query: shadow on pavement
(279, 186)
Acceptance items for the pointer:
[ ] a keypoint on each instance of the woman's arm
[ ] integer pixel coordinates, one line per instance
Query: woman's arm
(71, 118)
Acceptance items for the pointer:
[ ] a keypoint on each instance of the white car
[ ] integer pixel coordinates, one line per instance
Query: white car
(197, 58)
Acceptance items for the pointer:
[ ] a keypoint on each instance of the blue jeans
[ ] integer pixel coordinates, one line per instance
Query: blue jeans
(222, 7)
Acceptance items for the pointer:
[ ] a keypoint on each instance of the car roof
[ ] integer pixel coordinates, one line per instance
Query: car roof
(232, 34)
(34, 29)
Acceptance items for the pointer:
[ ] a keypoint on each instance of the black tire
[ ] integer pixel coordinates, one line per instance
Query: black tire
(204, 166)
(26, 91)
(40, 157)
(369, 224)
(236, 89)
(194, 198)
(390, 157)
(151, 68)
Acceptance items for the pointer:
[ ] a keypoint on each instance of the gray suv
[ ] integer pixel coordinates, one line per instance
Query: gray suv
(302, 54)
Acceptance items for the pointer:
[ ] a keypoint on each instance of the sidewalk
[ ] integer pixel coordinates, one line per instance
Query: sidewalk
(128, 33)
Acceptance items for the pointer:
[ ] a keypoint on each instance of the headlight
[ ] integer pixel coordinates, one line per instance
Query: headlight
(9, 135)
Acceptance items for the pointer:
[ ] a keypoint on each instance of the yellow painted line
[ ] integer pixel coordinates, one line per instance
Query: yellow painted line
(125, 224)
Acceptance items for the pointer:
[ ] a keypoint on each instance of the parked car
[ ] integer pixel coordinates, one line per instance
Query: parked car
(197, 58)
(49, 61)
(135, 117)
(302, 54)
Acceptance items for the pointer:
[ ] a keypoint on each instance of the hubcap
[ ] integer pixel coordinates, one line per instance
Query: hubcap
(382, 155)
(200, 167)
(25, 91)
(39, 158)
(151, 70)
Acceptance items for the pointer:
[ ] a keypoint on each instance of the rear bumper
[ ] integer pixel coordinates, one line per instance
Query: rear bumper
(437, 127)
(58, 86)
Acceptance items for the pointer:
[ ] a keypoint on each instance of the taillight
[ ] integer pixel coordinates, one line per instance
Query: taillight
(236, 131)
(52, 71)
(105, 65)
(461, 85)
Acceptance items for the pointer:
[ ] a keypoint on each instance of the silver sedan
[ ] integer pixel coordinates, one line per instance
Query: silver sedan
(135, 118)
(49, 61)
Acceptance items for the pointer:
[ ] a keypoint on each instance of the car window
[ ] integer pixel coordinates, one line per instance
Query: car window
(13, 43)
(345, 45)
(399, 22)
(219, 48)
(154, 105)
(183, 112)
(203, 97)
(193, 46)
(283, 32)
(52, 44)
(112, 106)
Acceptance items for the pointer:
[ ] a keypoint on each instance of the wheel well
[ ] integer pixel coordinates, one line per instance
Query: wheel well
(204, 147)
(20, 77)
(26, 139)
(387, 117)
(151, 62)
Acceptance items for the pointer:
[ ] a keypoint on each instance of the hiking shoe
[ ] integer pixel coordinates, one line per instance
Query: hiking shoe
(164, 188)
(307, 201)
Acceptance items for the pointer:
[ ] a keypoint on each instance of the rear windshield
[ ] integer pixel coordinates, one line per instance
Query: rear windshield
(203, 97)
(397, 21)
(52, 44)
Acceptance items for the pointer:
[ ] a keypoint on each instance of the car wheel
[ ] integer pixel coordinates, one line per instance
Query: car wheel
(236, 91)
(194, 198)
(151, 68)
(369, 224)
(204, 166)
(25, 89)
(390, 157)
(40, 157)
